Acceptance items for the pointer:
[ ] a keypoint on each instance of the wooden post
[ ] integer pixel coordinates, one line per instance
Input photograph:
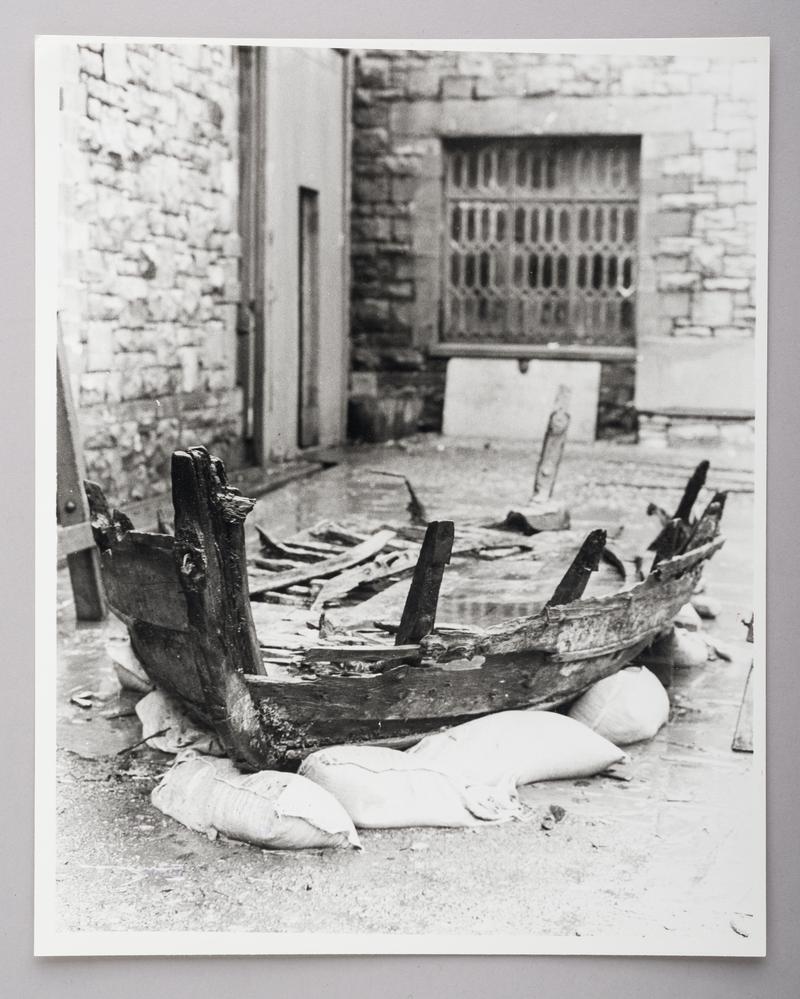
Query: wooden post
(696, 482)
(72, 505)
(676, 530)
(583, 565)
(552, 446)
(419, 613)
(212, 569)
(707, 526)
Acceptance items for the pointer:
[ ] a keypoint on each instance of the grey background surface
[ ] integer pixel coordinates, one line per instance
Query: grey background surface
(778, 975)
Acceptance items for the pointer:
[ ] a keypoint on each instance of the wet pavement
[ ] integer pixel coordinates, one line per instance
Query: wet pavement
(666, 855)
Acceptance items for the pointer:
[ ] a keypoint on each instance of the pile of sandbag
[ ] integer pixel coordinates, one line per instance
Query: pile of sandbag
(384, 788)
(627, 707)
(520, 747)
(273, 810)
(462, 776)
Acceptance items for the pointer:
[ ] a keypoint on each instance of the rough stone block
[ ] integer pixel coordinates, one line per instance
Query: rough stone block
(678, 281)
(719, 164)
(100, 346)
(712, 308)
(457, 87)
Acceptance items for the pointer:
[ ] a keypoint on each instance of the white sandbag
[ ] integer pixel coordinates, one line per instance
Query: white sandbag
(687, 618)
(627, 707)
(679, 647)
(167, 727)
(707, 607)
(518, 746)
(387, 789)
(269, 809)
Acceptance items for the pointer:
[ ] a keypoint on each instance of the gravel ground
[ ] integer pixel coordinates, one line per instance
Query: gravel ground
(665, 857)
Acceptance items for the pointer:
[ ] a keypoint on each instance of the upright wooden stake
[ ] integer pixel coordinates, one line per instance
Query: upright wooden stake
(419, 613)
(552, 446)
(696, 482)
(574, 581)
(72, 506)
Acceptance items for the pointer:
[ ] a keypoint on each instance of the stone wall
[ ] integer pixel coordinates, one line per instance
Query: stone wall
(149, 255)
(697, 122)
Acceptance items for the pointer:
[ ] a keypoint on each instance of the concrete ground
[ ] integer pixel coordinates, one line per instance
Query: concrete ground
(663, 859)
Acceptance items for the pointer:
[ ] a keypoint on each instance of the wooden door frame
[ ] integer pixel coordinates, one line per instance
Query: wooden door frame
(251, 311)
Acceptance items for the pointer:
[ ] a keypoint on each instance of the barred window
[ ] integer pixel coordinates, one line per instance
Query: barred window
(541, 240)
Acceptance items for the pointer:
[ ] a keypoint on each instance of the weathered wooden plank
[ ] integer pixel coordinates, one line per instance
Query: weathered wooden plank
(363, 653)
(416, 509)
(272, 548)
(327, 567)
(575, 579)
(743, 736)
(672, 537)
(76, 538)
(552, 446)
(696, 482)
(71, 503)
(419, 613)
(210, 558)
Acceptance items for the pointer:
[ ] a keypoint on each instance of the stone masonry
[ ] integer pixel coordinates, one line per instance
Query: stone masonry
(696, 119)
(149, 255)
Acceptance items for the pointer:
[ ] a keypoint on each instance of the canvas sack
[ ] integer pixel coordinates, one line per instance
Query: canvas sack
(517, 746)
(627, 707)
(273, 810)
(384, 788)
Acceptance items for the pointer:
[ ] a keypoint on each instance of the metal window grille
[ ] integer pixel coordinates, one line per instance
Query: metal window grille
(541, 240)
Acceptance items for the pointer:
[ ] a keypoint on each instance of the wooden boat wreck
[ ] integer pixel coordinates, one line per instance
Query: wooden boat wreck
(249, 653)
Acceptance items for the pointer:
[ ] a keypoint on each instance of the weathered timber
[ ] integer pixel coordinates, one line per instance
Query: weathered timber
(678, 535)
(583, 565)
(669, 541)
(552, 446)
(416, 509)
(610, 557)
(327, 567)
(397, 566)
(707, 526)
(419, 613)
(272, 549)
(363, 653)
(696, 482)
(71, 505)
(743, 735)
(211, 567)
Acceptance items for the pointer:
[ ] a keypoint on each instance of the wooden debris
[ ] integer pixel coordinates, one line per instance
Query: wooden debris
(327, 567)
(293, 552)
(675, 530)
(552, 446)
(743, 736)
(415, 508)
(362, 653)
(419, 613)
(583, 565)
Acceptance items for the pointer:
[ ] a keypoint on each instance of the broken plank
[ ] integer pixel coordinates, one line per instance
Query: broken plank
(583, 565)
(419, 613)
(362, 653)
(327, 567)
(552, 446)
(743, 736)
(345, 582)
(273, 550)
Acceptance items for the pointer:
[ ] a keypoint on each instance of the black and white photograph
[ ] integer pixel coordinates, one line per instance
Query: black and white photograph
(402, 405)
